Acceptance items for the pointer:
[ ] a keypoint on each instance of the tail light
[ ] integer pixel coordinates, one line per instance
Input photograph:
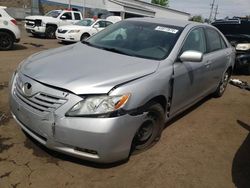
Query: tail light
(14, 21)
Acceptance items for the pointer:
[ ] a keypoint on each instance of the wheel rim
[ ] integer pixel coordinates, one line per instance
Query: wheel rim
(145, 132)
(84, 38)
(5, 41)
(224, 82)
(51, 33)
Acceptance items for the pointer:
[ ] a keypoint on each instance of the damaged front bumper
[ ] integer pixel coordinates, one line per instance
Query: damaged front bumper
(102, 140)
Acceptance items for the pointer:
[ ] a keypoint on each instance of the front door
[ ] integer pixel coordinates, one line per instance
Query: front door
(189, 77)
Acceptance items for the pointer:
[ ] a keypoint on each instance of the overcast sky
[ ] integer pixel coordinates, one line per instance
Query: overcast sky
(226, 7)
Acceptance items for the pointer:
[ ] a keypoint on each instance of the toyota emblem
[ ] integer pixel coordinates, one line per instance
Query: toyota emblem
(27, 89)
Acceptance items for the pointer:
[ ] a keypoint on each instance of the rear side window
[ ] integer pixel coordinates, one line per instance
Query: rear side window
(223, 43)
(214, 40)
(77, 16)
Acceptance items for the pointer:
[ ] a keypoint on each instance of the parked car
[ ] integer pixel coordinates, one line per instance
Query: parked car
(110, 96)
(81, 30)
(237, 31)
(9, 31)
(48, 24)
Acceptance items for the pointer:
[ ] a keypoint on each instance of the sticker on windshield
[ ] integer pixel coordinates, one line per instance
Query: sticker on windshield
(166, 29)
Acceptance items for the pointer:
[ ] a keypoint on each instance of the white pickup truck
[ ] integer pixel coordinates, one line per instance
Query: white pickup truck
(48, 24)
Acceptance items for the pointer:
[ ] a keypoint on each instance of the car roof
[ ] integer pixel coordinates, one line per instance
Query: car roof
(167, 21)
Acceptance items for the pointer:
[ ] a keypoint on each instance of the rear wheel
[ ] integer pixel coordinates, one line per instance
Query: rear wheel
(84, 36)
(6, 41)
(150, 130)
(223, 84)
(50, 32)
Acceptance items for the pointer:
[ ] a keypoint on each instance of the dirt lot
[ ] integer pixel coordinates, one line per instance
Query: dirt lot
(209, 146)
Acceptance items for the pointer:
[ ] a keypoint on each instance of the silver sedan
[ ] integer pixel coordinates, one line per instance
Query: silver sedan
(110, 96)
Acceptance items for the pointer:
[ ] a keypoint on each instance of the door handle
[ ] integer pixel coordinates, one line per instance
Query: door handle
(208, 63)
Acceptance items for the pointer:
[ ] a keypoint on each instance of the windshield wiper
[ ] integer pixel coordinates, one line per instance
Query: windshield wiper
(117, 51)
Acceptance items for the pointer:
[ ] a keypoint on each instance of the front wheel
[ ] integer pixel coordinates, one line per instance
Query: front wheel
(84, 36)
(150, 130)
(50, 32)
(6, 41)
(223, 84)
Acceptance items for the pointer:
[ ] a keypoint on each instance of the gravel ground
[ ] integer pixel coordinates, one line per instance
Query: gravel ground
(207, 146)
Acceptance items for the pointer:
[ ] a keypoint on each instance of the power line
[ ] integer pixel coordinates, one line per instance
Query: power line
(211, 11)
(216, 12)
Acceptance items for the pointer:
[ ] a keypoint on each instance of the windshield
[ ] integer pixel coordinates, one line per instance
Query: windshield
(139, 39)
(85, 22)
(54, 13)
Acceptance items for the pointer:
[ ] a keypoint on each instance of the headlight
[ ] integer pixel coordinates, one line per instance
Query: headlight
(98, 105)
(43, 24)
(243, 47)
(74, 31)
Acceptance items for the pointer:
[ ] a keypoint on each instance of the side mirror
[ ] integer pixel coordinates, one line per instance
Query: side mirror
(96, 26)
(190, 55)
(63, 18)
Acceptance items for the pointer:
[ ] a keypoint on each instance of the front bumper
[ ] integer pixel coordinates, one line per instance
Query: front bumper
(35, 29)
(103, 140)
(68, 37)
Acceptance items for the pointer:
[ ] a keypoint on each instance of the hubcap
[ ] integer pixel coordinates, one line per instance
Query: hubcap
(146, 131)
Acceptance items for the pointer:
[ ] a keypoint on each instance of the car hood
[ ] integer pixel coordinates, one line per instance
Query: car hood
(71, 27)
(83, 69)
(44, 18)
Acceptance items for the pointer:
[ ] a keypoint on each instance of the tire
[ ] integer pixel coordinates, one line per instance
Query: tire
(84, 36)
(223, 84)
(50, 32)
(6, 41)
(150, 130)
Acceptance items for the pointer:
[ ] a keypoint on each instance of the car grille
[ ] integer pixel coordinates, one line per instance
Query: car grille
(41, 102)
(33, 23)
(62, 31)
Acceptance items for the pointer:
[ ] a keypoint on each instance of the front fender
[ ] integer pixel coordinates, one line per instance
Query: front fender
(146, 88)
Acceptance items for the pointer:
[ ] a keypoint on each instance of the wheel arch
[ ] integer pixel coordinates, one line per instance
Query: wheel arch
(8, 31)
(159, 99)
(51, 24)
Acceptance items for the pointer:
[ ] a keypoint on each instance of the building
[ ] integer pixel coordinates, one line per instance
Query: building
(90, 8)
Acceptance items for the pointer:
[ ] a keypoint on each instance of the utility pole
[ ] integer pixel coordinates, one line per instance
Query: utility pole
(69, 7)
(211, 11)
(216, 12)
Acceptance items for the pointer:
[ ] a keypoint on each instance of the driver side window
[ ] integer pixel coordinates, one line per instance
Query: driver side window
(195, 41)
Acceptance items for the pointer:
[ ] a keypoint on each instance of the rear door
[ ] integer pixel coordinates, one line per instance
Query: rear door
(189, 77)
(219, 55)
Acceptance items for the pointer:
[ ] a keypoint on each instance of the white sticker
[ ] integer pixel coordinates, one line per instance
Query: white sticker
(166, 29)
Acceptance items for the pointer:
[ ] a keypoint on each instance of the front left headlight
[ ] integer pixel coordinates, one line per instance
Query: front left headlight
(98, 105)
(74, 31)
(243, 46)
